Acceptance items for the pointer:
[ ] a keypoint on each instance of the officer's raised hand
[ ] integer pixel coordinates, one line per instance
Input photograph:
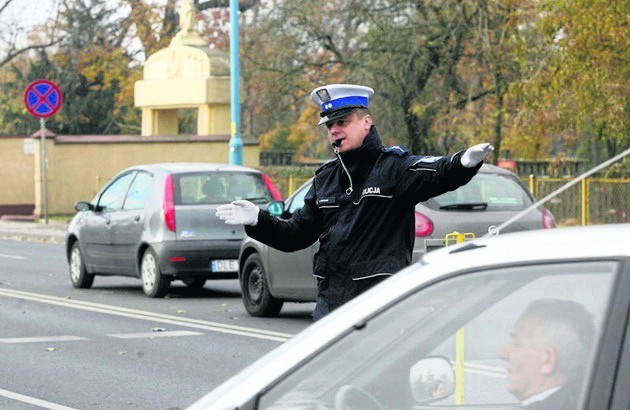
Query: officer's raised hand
(238, 212)
(475, 154)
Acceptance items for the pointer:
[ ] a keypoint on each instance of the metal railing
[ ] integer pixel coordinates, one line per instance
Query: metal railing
(593, 201)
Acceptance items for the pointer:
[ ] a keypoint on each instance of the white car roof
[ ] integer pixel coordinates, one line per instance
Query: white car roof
(567, 242)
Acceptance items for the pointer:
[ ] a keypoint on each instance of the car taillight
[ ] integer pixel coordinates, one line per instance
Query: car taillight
(424, 226)
(169, 204)
(277, 196)
(548, 220)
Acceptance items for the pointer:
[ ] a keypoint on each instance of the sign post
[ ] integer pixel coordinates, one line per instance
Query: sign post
(42, 98)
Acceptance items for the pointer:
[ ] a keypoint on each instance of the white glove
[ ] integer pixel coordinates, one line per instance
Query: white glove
(239, 212)
(475, 154)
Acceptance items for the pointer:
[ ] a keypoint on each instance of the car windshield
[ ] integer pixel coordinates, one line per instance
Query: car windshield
(486, 191)
(466, 321)
(219, 188)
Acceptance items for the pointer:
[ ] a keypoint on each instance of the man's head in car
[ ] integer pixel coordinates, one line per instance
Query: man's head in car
(549, 348)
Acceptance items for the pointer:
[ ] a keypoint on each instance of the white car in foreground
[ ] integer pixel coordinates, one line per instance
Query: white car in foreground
(447, 320)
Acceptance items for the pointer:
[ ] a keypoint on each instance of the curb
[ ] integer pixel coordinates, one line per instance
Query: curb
(53, 232)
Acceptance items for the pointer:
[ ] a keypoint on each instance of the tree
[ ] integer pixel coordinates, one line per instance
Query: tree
(153, 25)
(533, 77)
(10, 33)
(488, 67)
(18, 43)
(91, 66)
(409, 50)
(576, 94)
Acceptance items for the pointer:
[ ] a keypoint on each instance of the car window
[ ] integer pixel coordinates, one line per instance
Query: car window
(467, 323)
(138, 191)
(297, 201)
(500, 192)
(219, 188)
(112, 198)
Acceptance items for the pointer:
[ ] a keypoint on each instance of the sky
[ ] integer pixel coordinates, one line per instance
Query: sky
(30, 13)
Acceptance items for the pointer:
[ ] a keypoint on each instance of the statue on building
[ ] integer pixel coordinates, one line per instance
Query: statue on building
(188, 34)
(187, 16)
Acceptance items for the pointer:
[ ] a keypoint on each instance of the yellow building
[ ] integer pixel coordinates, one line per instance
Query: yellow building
(187, 74)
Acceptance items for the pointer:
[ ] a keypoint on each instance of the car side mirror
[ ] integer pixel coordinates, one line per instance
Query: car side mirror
(276, 208)
(83, 206)
(431, 379)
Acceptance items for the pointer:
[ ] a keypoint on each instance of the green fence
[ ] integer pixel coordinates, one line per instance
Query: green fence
(592, 201)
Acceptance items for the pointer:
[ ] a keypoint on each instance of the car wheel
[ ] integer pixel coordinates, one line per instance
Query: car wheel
(154, 284)
(195, 282)
(79, 275)
(255, 289)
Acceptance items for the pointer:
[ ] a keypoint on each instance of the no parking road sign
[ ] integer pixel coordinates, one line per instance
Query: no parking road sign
(42, 98)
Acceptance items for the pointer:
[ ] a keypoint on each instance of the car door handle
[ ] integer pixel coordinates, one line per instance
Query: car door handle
(137, 218)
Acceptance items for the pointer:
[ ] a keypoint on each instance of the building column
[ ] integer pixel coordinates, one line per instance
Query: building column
(159, 122)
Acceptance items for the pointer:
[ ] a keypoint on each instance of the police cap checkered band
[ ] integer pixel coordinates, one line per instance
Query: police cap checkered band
(337, 100)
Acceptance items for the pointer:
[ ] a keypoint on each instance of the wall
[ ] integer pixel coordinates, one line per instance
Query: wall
(79, 165)
(16, 174)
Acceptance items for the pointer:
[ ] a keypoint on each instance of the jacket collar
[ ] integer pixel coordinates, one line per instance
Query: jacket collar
(366, 154)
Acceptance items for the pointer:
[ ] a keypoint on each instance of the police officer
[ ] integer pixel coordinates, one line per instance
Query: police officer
(361, 204)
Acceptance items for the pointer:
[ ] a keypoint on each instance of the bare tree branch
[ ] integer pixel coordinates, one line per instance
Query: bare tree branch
(5, 5)
(13, 54)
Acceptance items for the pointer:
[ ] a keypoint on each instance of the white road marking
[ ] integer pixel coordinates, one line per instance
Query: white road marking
(33, 401)
(43, 339)
(149, 316)
(12, 257)
(152, 335)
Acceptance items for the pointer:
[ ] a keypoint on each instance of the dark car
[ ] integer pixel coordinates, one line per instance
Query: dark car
(455, 331)
(157, 222)
(269, 277)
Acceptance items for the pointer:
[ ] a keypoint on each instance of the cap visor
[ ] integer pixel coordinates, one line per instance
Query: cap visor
(343, 112)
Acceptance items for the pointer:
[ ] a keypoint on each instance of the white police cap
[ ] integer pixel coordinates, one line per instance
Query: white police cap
(339, 100)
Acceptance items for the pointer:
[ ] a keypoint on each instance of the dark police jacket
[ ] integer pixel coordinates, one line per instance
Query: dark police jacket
(361, 208)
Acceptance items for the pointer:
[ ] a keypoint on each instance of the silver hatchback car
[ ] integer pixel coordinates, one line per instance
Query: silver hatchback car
(269, 277)
(157, 222)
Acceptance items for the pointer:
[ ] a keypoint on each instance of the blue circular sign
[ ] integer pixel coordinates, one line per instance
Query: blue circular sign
(42, 98)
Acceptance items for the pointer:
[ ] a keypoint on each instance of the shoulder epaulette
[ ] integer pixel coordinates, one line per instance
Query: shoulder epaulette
(325, 165)
(397, 150)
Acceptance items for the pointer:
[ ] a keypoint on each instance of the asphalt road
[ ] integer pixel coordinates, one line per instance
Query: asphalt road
(110, 347)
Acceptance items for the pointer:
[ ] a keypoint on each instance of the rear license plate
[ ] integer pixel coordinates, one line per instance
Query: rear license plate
(224, 265)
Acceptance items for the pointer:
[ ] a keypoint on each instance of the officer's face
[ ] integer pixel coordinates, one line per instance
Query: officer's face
(349, 131)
